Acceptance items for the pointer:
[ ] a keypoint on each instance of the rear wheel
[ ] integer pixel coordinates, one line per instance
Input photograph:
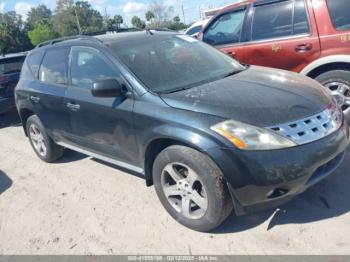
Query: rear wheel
(338, 82)
(43, 145)
(190, 186)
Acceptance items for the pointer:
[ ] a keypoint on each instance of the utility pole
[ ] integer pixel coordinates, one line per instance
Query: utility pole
(78, 23)
(183, 13)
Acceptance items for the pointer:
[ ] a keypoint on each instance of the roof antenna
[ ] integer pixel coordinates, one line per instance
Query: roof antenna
(148, 31)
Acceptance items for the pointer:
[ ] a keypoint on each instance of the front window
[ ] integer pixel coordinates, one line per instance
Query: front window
(88, 66)
(226, 29)
(176, 62)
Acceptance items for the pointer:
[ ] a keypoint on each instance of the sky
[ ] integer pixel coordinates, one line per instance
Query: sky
(128, 9)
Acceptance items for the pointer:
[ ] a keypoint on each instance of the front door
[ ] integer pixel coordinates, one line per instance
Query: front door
(226, 32)
(99, 125)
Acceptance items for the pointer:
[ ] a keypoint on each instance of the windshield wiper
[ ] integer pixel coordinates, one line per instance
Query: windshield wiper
(234, 72)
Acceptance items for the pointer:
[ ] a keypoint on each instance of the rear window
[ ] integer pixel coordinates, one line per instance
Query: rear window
(339, 12)
(54, 67)
(34, 61)
(11, 66)
(281, 19)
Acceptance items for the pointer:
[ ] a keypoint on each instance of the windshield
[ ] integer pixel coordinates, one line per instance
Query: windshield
(170, 63)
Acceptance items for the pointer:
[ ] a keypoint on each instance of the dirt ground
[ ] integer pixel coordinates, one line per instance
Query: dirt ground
(81, 206)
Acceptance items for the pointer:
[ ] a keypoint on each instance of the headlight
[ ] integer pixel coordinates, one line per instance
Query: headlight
(247, 137)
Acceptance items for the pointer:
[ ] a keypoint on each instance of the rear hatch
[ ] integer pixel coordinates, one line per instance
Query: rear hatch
(10, 70)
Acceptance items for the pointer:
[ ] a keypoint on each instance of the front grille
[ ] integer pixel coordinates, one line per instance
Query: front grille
(311, 128)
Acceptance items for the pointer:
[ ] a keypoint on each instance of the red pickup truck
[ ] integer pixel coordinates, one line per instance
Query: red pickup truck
(311, 37)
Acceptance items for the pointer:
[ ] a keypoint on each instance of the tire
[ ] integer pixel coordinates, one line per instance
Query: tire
(53, 151)
(216, 203)
(334, 78)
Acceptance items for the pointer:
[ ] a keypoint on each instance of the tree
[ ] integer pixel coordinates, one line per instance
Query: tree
(176, 24)
(118, 20)
(115, 23)
(38, 16)
(13, 35)
(177, 19)
(138, 23)
(70, 18)
(149, 16)
(161, 12)
(90, 19)
(41, 33)
(64, 21)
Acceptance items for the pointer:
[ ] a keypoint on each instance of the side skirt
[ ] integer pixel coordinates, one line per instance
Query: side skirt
(104, 158)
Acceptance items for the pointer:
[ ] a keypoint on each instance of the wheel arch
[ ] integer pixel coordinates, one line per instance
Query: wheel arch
(328, 63)
(24, 114)
(163, 140)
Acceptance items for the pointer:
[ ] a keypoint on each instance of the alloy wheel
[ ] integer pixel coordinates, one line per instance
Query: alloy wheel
(341, 93)
(38, 140)
(184, 190)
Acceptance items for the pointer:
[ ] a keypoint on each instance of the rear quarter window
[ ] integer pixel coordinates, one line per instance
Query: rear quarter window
(33, 61)
(339, 11)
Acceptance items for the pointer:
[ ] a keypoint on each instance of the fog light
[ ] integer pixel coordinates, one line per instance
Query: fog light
(278, 192)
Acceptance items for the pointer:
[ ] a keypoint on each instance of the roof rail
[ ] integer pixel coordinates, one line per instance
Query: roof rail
(58, 40)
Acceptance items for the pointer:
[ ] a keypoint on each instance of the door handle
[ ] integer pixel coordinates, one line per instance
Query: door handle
(73, 107)
(35, 99)
(303, 47)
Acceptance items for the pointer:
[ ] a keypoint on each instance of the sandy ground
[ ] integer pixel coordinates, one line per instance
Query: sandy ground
(80, 206)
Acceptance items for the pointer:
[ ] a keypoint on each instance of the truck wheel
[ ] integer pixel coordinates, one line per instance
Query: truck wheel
(190, 187)
(338, 82)
(43, 145)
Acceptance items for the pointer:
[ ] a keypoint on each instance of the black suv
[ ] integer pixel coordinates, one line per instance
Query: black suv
(10, 69)
(211, 134)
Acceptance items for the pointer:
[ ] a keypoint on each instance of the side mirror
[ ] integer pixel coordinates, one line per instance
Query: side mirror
(107, 88)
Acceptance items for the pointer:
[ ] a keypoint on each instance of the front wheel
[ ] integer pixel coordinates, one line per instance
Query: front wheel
(191, 188)
(338, 83)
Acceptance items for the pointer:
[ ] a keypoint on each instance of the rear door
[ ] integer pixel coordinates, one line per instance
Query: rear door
(283, 34)
(48, 93)
(227, 32)
(98, 125)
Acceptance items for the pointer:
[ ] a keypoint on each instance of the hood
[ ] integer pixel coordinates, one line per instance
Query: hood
(258, 96)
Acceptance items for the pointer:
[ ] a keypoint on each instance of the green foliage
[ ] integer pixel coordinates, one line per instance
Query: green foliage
(138, 23)
(177, 19)
(13, 35)
(41, 33)
(115, 22)
(150, 16)
(38, 16)
(70, 16)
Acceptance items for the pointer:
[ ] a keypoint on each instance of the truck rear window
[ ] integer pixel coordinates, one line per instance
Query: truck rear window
(339, 11)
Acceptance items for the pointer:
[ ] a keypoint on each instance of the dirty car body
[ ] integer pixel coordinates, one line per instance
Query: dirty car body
(267, 134)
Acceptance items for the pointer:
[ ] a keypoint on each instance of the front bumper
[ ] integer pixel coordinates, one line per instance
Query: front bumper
(265, 179)
(6, 104)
